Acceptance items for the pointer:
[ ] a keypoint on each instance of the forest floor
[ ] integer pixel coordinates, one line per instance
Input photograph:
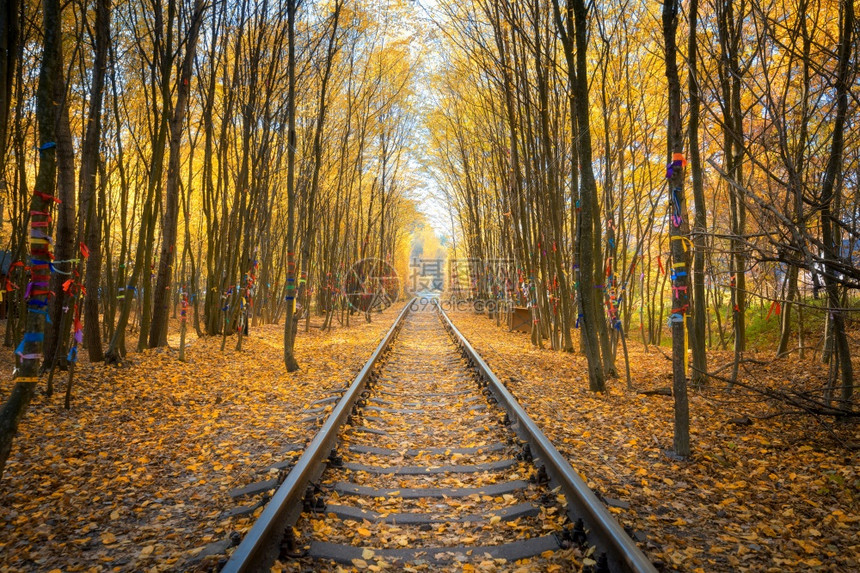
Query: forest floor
(763, 491)
(135, 477)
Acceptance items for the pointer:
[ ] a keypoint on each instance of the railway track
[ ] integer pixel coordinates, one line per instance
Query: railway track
(427, 463)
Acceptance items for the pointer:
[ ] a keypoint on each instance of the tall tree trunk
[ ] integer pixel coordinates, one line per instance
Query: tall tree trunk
(89, 200)
(590, 301)
(573, 30)
(289, 322)
(679, 230)
(9, 39)
(303, 292)
(796, 169)
(161, 296)
(55, 336)
(14, 320)
(89, 204)
(46, 181)
(730, 16)
(696, 327)
(163, 39)
(830, 193)
(143, 257)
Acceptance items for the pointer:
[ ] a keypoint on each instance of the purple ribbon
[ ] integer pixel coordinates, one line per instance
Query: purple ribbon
(30, 286)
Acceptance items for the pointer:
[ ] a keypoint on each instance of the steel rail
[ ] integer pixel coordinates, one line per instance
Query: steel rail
(261, 545)
(604, 531)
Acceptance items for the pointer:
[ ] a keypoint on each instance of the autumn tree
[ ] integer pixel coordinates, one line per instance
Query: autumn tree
(678, 232)
(89, 228)
(289, 322)
(170, 220)
(41, 208)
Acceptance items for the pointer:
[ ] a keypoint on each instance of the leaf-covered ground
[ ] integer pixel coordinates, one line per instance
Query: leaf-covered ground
(779, 494)
(135, 477)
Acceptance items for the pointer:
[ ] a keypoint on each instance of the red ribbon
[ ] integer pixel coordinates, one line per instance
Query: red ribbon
(775, 308)
(46, 197)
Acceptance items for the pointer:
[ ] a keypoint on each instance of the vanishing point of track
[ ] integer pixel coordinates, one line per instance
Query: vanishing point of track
(426, 462)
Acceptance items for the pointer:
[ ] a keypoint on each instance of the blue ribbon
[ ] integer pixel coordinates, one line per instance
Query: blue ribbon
(47, 146)
(44, 312)
(676, 201)
(29, 337)
(51, 266)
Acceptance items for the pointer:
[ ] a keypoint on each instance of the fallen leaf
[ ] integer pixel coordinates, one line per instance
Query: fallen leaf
(108, 538)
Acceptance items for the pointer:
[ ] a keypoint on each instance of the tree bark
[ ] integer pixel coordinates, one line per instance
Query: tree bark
(573, 31)
(9, 39)
(678, 232)
(289, 322)
(303, 292)
(588, 201)
(46, 180)
(161, 296)
(56, 334)
(87, 182)
(829, 195)
(697, 325)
